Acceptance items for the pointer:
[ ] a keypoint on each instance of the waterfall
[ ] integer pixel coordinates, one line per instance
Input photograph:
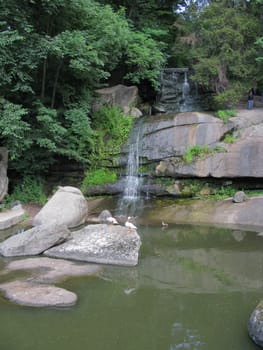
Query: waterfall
(178, 93)
(131, 201)
(186, 86)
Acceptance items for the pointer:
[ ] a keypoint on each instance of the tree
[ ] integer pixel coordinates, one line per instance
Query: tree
(222, 53)
(54, 55)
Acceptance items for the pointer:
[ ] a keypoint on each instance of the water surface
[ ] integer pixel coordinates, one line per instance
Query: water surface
(194, 288)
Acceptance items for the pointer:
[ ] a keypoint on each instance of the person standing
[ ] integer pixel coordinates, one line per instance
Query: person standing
(250, 100)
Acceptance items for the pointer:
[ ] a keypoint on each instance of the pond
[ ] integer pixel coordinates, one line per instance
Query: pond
(194, 288)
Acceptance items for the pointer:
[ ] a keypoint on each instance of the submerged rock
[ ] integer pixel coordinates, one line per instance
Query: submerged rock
(105, 244)
(38, 295)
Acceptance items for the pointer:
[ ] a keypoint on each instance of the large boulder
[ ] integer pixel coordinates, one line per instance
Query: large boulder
(34, 241)
(3, 172)
(119, 95)
(105, 244)
(255, 325)
(67, 206)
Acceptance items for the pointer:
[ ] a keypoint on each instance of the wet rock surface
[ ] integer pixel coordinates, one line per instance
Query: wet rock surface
(38, 290)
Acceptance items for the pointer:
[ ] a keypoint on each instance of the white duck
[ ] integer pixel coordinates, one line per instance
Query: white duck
(130, 225)
(164, 224)
(112, 220)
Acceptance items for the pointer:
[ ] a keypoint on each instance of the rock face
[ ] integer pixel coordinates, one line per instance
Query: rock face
(120, 95)
(166, 139)
(3, 172)
(35, 240)
(105, 244)
(255, 325)
(67, 206)
(225, 212)
(170, 135)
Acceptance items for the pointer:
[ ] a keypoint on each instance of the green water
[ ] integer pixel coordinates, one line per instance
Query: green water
(194, 288)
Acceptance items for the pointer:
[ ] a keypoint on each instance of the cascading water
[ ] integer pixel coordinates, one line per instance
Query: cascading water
(178, 93)
(131, 201)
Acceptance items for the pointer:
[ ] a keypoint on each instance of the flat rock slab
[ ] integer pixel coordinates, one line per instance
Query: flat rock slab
(38, 295)
(9, 218)
(104, 244)
(47, 270)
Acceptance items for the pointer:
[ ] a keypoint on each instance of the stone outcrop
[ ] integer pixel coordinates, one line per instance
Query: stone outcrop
(11, 217)
(166, 139)
(170, 135)
(35, 241)
(3, 172)
(255, 325)
(67, 207)
(208, 212)
(122, 96)
(105, 244)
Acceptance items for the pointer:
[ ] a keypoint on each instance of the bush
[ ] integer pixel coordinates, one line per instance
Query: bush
(98, 177)
(225, 114)
(29, 190)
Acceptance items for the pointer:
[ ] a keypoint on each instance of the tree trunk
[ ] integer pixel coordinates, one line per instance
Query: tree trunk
(55, 84)
(43, 85)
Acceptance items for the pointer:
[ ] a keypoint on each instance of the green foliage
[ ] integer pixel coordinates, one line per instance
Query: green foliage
(112, 129)
(144, 59)
(13, 129)
(53, 55)
(223, 192)
(196, 151)
(226, 114)
(98, 177)
(219, 43)
(29, 190)
(229, 139)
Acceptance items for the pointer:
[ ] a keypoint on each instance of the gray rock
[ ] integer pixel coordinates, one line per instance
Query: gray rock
(67, 207)
(104, 215)
(239, 197)
(105, 244)
(120, 95)
(38, 295)
(255, 325)
(9, 218)
(35, 240)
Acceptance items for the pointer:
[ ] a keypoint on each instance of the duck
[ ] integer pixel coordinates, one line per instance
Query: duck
(130, 225)
(164, 224)
(112, 220)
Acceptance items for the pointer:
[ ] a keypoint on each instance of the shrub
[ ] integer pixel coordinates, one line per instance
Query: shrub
(195, 152)
(229, 139)
(29, 190)
(98, 177)
(226, 114)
